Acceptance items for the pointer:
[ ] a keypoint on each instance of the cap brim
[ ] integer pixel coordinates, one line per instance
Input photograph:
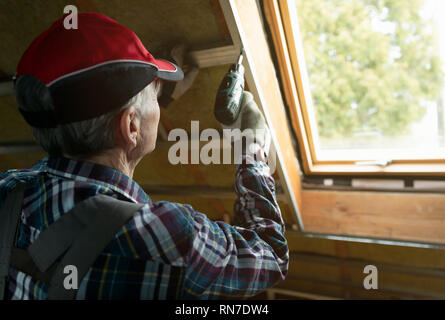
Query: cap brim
(168, 70)
(97, 91)
(89, 93)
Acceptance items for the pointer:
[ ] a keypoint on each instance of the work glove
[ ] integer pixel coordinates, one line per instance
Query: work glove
(172, 91)
(253, 128)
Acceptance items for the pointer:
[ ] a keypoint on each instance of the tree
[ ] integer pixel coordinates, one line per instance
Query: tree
(372, 64)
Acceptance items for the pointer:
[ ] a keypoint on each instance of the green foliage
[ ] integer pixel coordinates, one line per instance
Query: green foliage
(372, 64)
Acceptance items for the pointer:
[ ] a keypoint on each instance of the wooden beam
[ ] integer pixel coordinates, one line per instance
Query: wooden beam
(400, 216)
(220, 21)
(423, 186)
(396, 253)
(193, 190)
(354, 290)
(6, 87)
(359, 264)
(273, 16)
(162, 132)
(20, 147)
(86, 5)
(347, 274)
(404, 271)
(271, 294)
(246, 28)
(215, 56)
(208, 191)
(432, 167)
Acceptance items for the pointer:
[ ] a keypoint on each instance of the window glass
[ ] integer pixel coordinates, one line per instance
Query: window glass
(376, 75)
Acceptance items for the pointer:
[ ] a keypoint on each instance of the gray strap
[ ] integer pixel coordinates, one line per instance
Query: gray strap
(85, 230)
(56, 239)
(9, 217)
(21, 260)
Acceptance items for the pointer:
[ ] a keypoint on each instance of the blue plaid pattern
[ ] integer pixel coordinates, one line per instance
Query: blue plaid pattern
(167, 250)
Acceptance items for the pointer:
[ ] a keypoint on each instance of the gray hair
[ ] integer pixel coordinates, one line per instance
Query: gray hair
(77, 139)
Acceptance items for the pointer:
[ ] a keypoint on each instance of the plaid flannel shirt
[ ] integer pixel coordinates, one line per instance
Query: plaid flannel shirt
(167, 250)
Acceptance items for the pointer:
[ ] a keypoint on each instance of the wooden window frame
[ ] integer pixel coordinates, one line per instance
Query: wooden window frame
(245, 25)
(394, 218)
(288, 45)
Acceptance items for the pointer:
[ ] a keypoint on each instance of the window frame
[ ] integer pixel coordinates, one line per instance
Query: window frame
(283, 24)
(377, 216)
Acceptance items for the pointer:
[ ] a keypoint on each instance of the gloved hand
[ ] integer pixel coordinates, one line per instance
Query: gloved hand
(253, 127)
(171, 91)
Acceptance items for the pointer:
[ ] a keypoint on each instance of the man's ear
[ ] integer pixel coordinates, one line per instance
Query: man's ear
(128, 127)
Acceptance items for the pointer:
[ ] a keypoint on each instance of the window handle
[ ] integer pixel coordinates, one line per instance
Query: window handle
(380, 163)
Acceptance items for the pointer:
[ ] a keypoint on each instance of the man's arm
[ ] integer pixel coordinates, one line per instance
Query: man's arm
(238, 261)
(242, 260)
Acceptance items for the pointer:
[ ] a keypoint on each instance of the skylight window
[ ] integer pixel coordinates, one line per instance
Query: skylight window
(373, 76)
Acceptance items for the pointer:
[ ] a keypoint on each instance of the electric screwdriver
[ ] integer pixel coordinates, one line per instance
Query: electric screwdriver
(230, 94)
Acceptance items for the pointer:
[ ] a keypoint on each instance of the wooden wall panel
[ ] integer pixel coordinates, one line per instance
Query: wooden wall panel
(402, 216)
(392, 284)
(198, 102)
(159, 23)
(18, 161)
(379, 253)
(318, 266)
(12, 126)
(22, 21)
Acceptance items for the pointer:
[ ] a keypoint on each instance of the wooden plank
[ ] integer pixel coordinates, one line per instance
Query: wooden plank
(274, 20)
(403, 216)
(378, 253)
(6, 87)
(346, 275)
(12, 125)
(320, 286)
(162, 132)
(215, 56)
(353, 263)
(220, 21)
(245, 25)
(296, 65)
(272, 293)
(198, 191)
(86, 5)
(426, 187)
(20, 147)
(434, 167)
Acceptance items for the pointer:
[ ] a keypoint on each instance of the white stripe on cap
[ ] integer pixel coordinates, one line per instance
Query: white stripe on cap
(109, 62)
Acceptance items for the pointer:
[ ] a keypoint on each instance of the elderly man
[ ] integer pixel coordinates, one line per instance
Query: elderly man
(90, 96)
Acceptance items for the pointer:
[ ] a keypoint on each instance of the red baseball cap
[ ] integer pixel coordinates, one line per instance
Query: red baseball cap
(91, 70)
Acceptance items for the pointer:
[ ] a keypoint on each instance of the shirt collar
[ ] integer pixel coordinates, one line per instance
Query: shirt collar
(99, 174)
